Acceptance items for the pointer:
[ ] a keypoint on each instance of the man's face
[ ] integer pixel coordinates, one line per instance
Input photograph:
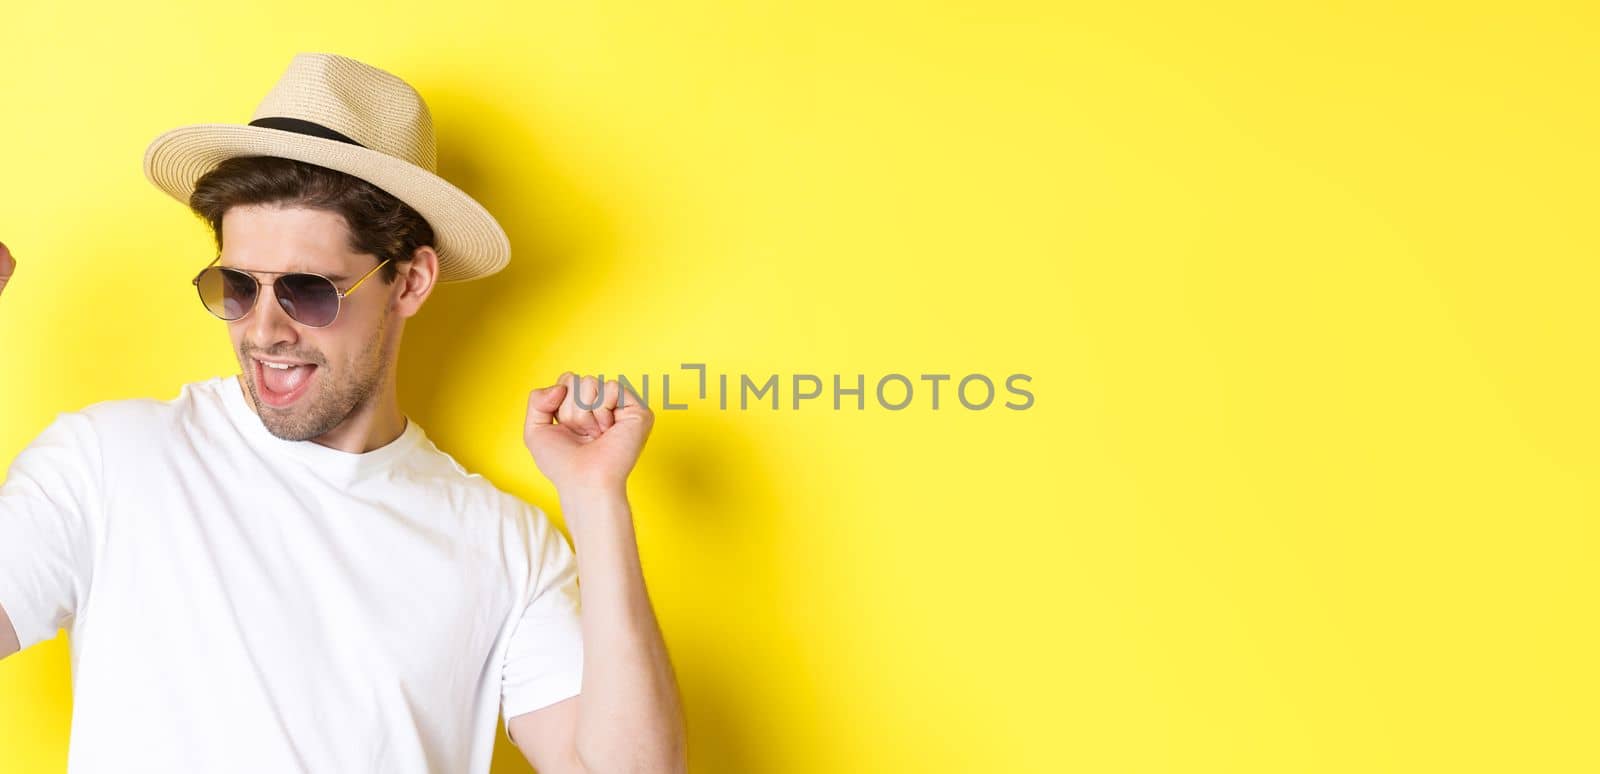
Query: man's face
(340, 368)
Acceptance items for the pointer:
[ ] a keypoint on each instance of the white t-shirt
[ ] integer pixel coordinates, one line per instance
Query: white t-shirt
(237, 602)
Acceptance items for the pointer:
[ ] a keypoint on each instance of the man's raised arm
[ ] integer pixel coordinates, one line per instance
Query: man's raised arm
(7, 266)
(48, 500)
(8, 635)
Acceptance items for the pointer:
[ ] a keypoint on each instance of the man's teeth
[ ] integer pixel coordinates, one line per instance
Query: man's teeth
(278, 366)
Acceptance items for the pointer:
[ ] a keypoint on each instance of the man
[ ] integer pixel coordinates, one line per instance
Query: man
(277, 570)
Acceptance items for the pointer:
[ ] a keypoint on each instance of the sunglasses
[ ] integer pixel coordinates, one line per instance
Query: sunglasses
(308, 299)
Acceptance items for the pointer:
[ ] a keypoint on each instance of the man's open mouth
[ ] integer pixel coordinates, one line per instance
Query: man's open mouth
(283, 383)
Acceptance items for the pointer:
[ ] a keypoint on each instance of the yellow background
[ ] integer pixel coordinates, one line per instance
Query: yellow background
(1306, 292)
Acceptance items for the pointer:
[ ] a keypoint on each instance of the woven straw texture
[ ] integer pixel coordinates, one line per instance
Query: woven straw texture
(370, 106)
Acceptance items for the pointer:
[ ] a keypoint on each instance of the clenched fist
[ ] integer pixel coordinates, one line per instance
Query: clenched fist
(586, 449)
(7, 266)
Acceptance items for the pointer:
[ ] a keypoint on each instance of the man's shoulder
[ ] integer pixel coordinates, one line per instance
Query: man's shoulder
(445, 471)
(118, 412)
(130, 425)
(485, 509)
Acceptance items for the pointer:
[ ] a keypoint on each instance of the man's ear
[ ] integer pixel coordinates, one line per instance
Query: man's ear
(416, 280)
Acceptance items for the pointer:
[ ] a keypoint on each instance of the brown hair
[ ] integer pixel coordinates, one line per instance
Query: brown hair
(379, 224)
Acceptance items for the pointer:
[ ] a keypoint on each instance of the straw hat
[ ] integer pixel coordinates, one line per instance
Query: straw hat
(342, 114)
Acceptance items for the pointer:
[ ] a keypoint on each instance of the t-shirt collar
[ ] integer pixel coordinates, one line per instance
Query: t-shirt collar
(326, 459)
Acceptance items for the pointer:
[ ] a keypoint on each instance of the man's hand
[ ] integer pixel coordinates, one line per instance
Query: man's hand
(587, 449)
(7, 266)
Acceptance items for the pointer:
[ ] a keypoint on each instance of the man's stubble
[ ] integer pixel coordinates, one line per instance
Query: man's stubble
(334, 399)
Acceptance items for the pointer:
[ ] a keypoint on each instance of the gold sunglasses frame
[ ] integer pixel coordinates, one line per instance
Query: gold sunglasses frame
(341, 294)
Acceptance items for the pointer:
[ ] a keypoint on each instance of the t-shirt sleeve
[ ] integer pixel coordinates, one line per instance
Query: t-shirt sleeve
(544, 661)
(49, 506)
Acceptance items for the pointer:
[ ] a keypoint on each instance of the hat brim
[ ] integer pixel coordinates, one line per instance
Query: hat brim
(470, 242)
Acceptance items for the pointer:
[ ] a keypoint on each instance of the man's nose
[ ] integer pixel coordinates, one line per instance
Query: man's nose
(267, 323)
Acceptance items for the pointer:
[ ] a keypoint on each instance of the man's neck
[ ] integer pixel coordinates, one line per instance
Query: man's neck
(370, 426)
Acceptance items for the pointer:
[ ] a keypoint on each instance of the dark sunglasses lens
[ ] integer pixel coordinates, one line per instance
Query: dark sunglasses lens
(227, 293)
(309, 299)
